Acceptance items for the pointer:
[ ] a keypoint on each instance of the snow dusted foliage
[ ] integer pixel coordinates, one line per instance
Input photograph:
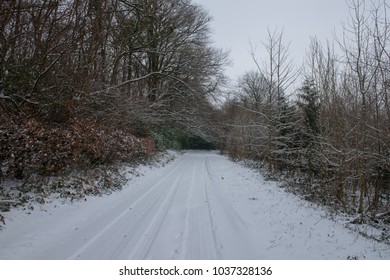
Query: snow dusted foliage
(129, 63)
(36, 147)
(74, 185)
(86, 82)
(332, 138)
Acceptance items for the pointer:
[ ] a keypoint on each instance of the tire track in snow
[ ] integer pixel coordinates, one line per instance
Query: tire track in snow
(206, 184)
(133, 224)
(185, 243)
(199, 240)
(143, 247)
(237, 220)
(118, 218)
(234, 237)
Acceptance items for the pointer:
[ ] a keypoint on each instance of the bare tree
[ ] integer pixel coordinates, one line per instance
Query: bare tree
(127, 64)
(279, 72)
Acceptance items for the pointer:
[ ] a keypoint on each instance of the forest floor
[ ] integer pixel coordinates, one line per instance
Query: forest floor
(200, 205)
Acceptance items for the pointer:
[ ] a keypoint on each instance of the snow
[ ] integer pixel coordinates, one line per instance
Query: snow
(199, 206)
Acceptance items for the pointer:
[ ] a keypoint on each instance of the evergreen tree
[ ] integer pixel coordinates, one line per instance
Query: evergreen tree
(309, 103)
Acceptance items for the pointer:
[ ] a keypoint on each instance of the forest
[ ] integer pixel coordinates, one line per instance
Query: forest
(92, 82)
(331, 137)
(87, 82)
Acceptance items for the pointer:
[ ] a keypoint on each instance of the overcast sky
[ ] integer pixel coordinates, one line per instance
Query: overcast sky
(236, 23)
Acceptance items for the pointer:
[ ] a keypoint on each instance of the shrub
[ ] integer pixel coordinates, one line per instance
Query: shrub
(36, 147)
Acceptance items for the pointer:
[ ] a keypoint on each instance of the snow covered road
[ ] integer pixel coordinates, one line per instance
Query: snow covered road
(200, 206)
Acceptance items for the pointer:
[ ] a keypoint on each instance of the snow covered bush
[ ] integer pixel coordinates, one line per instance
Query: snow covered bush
(36, 147)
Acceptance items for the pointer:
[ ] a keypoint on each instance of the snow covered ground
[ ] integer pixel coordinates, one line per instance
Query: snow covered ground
(199, 206)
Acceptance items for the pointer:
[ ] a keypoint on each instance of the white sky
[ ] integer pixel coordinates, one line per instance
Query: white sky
(236, 23)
